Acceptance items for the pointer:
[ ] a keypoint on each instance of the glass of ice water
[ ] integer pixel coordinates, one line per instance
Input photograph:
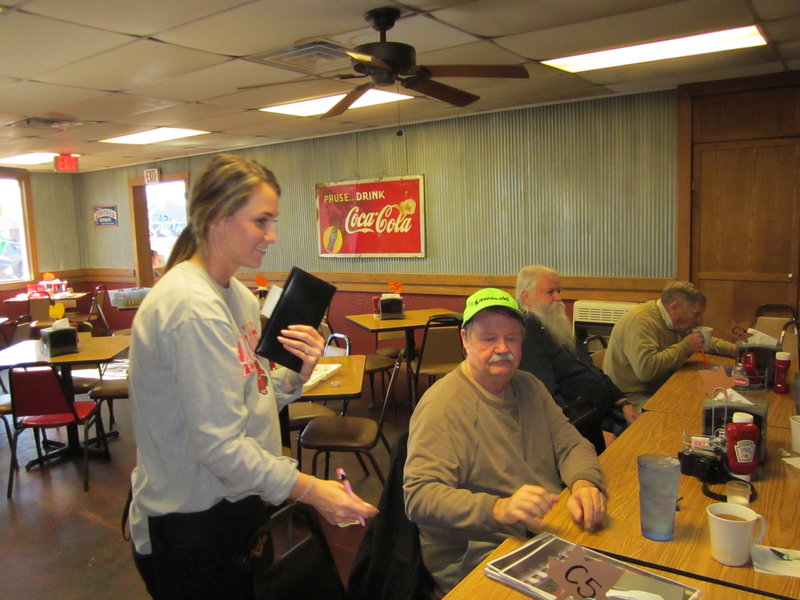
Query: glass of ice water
(658, 492)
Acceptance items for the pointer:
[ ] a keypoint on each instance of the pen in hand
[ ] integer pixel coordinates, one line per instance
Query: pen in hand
(342, 476)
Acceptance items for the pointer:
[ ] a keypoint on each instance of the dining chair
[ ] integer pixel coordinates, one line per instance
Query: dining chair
(348, 434)
(39, 401)
(39, 304)
(95, 320)
(302, 412)
(441, 350)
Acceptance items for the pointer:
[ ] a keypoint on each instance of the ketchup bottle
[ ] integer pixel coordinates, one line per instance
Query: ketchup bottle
(742, 437)
(782, 360)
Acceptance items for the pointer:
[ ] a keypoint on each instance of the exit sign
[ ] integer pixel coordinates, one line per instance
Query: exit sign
(66, 163)
(152, 175)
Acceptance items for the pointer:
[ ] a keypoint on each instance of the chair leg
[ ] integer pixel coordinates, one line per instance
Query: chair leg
(385, 443)
(38, 440)
(14, 464)
(299, 452)
(327, 464)
(374, 465)
(314, 463)
(111, 420)
(363, 464)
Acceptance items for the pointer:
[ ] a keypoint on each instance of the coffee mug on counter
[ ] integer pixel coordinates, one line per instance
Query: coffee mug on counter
(731, 528)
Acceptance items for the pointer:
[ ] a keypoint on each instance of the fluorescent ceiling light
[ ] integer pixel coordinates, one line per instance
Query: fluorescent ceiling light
(730, 39)
(319, 106)
(162, 134)
(32, 158)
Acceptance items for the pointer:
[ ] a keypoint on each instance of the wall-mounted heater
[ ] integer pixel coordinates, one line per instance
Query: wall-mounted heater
(597, 317)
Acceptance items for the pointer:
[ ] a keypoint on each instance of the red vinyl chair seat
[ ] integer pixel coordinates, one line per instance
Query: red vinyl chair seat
(84, 409)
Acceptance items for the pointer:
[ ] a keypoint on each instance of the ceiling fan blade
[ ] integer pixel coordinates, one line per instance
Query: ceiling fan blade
(440, 91)
(368, 59)
(345, 103)
(510, 71)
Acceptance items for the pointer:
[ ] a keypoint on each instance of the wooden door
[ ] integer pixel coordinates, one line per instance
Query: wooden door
(745, 226)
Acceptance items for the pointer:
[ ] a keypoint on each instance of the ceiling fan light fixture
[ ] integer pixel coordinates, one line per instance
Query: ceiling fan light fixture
(705, 43)
(153, 136)
(319, 106)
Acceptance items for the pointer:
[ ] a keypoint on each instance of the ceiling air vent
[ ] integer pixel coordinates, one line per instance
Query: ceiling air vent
(311, 58)
(45, 123)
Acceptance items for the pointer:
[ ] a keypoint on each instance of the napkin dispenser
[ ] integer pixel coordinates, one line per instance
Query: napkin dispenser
(718, 413)
(391, 306)
(765, 356)
(59, 341)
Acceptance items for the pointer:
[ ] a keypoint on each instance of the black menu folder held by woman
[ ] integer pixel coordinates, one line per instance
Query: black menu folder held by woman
(304, 300)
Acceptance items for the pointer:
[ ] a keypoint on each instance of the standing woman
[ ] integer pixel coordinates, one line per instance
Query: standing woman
(205, 410)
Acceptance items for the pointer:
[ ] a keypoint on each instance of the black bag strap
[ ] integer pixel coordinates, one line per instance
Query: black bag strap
(126, 511)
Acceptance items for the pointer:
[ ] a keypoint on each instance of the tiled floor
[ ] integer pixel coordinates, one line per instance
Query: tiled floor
(58, 541)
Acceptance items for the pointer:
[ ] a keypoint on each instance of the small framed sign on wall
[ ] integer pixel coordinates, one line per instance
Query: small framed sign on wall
(106, 216)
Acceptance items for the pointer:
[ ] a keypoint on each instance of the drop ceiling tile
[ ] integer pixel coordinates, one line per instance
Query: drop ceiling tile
(41, 44)
(486, 18)
(776, 9)
(665, 22)
(296, 127)
(145, 61)
(216, 80)
(424, 33)
(182, 113)
(783, 30)
(473, 53)
(669, 83)
(289, 92)
(789, 50)
(115, 106)
(234, 122)
(41, 99)
(141, 18)
(265, 24)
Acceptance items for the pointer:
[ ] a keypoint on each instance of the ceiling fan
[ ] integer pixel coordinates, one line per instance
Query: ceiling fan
(389, 62)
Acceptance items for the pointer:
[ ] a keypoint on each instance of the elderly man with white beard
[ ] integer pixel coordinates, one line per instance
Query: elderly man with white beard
(549, 352)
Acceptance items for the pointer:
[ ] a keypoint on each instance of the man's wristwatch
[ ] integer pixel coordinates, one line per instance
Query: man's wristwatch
(623, 404)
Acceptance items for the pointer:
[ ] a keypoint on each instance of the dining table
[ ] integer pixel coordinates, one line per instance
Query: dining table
(412, 320)
(683, 394)
(68, 299)
(687, 557)
(91, 351)
(344, 384)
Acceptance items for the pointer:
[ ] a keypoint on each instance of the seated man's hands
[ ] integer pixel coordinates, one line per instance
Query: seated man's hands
(587, 504)
(695, 341)
(525, 505)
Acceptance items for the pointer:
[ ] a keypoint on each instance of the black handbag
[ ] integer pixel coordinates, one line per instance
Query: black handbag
(288, 557)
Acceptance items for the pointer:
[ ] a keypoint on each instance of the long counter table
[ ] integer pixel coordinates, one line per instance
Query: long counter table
(778, 486)
(682, 394)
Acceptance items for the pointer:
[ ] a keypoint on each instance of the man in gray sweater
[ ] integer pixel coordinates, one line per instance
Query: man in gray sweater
(489, 450)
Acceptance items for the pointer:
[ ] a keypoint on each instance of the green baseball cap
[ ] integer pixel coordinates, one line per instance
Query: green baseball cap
(490, 297)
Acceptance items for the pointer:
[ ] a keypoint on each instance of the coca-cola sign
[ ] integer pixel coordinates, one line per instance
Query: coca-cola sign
(371, 217)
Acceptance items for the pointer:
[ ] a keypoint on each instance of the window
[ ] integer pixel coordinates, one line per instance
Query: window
(15, 236)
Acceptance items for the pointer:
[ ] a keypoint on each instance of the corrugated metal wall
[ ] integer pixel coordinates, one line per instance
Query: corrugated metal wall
(587, 187)
(56, 219)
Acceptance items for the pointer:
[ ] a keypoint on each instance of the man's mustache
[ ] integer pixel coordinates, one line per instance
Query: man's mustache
(502, 356)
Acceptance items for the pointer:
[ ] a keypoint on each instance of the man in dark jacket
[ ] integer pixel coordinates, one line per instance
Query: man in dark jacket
(550, 352)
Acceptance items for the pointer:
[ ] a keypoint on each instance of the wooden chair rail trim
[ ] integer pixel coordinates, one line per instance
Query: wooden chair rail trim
(634, 289)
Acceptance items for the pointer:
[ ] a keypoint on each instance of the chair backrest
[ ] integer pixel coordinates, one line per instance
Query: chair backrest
(770, 325)
(325, 327)
(39, 307)
(389, 387)
(441, 340)
(597, 358)
(781, 310)
(96, 313)
(337, 344)
(37, 389)
(789, 338)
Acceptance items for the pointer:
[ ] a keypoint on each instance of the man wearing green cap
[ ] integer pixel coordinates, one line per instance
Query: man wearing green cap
(489, 450)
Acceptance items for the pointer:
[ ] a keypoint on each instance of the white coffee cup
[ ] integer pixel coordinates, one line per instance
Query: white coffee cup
(794, 422)
(731, 529)
(706, 331)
